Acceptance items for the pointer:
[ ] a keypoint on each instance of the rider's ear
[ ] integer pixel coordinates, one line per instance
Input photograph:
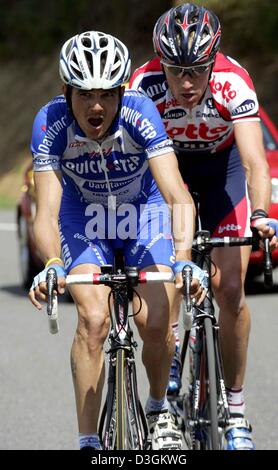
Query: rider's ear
(122, 90)
(64, 89)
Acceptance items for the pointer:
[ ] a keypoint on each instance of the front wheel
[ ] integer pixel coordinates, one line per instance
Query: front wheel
(130, 426)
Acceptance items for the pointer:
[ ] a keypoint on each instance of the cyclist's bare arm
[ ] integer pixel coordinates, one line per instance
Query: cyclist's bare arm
(170, 183)
(165, 171)
(249, 139)
(48, 196)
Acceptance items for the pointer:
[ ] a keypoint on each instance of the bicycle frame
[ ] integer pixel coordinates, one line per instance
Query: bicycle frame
(122, 424)
(205, 406)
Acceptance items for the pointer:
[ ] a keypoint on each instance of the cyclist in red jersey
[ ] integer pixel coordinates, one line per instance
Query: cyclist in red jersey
(210, 110)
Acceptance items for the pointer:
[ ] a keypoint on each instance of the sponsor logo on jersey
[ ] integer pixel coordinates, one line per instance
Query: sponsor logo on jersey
(131, 116)
(199, 145)
(112, 184)
(225, 88)
(166, 143)
(51, 133)
(157, 89)
(171, 103)
(200, 114)
(76, 144)
(194, 132)
(146, 129)
(245, 107)
(125, 165)
(175, 114)
(105, 153)
(229, 228)
(38, 161)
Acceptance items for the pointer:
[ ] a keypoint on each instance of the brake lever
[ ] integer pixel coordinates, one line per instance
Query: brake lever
(52, 301)
(268, 275)
(187, 279)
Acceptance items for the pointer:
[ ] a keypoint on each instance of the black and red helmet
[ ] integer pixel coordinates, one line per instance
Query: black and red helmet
(186, 35)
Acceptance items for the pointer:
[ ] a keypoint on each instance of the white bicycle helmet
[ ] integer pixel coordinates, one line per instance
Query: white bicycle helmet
(94, 60)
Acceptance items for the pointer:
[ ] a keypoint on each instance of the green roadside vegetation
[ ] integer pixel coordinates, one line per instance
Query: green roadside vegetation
(33, 32)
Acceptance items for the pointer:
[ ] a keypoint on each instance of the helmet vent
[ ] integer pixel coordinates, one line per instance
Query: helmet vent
(86, 42)
(103, 61)
(178, 17)
(193, 18)
(75, 66)
(88, 57)
(103, 42)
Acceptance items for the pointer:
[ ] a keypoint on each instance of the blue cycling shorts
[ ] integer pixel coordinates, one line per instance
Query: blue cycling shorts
(90, 233)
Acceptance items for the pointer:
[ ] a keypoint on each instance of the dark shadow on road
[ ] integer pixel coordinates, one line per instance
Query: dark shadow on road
(256, 287)
(15, 289)
(19, 291)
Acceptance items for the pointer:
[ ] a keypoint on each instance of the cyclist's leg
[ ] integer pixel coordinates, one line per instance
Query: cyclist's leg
(228, 286)
(153, 249)
(174, 382)
(86, 355)
(156, 253)
(83, 256)
(234, 321)
(234, 317)
(154, 327)
(225, 211)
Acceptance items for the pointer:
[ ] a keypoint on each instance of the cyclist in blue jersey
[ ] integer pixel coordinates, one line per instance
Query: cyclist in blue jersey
(106, 176)
(209, 108)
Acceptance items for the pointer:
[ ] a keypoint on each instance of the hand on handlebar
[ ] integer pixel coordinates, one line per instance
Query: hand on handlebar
(198, 286)
(266, 228)
(39, 288)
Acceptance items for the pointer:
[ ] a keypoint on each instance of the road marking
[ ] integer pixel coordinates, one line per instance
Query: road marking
(8, 227)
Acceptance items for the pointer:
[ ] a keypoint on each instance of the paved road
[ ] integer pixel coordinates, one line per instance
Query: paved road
(36, 399)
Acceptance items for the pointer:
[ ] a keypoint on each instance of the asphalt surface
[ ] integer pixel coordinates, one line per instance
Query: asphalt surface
(37, 409)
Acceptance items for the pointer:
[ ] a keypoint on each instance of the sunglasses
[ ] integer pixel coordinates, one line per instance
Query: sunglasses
(180, 72)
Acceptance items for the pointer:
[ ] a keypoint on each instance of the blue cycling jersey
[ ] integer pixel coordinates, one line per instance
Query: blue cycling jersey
(92, 170)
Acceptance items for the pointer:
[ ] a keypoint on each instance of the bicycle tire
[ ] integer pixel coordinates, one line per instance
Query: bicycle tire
(213, 397)
(120, 401)
(107, 428)
(130, 429)
(139, 423)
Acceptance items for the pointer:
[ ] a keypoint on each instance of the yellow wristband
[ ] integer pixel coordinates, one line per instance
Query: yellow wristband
(52, 260)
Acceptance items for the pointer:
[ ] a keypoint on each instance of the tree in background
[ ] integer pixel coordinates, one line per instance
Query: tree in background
(32, 33)
(249, 34)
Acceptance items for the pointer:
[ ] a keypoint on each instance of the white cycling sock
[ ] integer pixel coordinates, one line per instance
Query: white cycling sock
(175, 328)
(89, 440)
(236, 401)
(154, 406)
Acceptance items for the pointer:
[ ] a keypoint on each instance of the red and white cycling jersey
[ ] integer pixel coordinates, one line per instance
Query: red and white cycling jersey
(230, 97)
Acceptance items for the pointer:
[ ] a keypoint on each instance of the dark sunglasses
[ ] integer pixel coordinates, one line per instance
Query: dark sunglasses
(193, 71)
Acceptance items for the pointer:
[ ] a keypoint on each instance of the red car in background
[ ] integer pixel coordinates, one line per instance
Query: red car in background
(270, 133)
(31, 262)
